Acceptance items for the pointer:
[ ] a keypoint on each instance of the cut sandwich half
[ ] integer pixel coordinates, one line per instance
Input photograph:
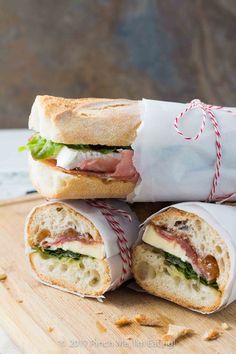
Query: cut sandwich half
(182, 259)
(82, 147)
(66, 250)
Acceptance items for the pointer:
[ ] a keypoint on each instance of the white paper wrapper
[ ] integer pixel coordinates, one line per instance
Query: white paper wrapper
(174, 169)
(223, 219)
(109, 236)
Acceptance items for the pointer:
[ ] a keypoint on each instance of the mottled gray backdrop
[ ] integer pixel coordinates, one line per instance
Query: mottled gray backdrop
(163, 49)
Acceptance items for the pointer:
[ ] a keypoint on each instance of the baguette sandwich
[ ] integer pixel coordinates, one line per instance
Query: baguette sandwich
(183, 259)
(71, 246)
(81, 148)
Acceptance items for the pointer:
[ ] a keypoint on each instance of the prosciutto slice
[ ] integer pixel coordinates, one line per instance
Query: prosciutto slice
(112, 167)
(207, 267)
(67, 236)
(107, 167)
(104, 165)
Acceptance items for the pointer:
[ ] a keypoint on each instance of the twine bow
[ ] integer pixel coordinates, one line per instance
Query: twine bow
(207, 112)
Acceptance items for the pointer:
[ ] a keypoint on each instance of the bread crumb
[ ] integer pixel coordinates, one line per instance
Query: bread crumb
(100, 327)
(19, 301)
(175, 332)
(144, 320)
(123, 321)
(225, 326)
(3, 276)
(99, 313)
(50, 329)
(211, 334)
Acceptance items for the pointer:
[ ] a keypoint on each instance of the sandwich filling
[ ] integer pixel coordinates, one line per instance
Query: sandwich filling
(179, 252)
(71, 244)
(109, 162)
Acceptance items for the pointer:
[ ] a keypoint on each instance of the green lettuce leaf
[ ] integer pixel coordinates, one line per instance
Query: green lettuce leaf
(42, 148)
(187, 269)
(59, 253)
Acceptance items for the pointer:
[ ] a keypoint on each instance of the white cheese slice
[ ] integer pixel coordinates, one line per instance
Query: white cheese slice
(70, 158)
(96, 250)
(152, 237)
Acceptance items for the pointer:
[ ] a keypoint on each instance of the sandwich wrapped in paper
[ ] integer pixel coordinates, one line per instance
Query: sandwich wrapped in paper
(118, 148)
(186, 253)
(81, 246)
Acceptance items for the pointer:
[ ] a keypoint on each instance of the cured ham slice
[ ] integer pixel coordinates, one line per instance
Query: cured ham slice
(107, 166)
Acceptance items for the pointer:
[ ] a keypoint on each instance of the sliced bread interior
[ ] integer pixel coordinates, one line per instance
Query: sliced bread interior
(66, 250)
(183, 259)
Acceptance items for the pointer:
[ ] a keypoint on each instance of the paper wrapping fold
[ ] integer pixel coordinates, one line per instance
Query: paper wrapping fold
(223, 219)
(109, 237)
(174, 169)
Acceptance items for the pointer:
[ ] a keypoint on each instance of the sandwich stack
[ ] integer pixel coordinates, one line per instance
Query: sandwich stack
(85, 150)
(80, 149)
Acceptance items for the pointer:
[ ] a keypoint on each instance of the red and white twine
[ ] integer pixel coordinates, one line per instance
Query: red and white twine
(108, 212)
(207, 111)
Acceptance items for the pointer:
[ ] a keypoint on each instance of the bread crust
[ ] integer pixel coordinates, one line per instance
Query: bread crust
(52, 183)
(174, 213)
(111, 122)
(67, 286)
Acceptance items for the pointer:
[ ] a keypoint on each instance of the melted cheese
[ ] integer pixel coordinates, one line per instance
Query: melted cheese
(152, 237)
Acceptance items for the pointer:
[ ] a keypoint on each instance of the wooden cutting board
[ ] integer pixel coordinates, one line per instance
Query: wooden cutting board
(29, 309)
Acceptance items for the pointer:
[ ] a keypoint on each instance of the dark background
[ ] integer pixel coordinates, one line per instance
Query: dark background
(161, 49)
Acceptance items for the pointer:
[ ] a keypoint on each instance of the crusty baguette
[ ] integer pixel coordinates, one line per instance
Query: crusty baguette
(111, 122)
(204, 238)
(52, 183)
(159, 278)
(87, 275)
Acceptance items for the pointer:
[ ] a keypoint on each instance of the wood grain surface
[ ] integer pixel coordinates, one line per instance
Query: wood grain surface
(43, 320)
